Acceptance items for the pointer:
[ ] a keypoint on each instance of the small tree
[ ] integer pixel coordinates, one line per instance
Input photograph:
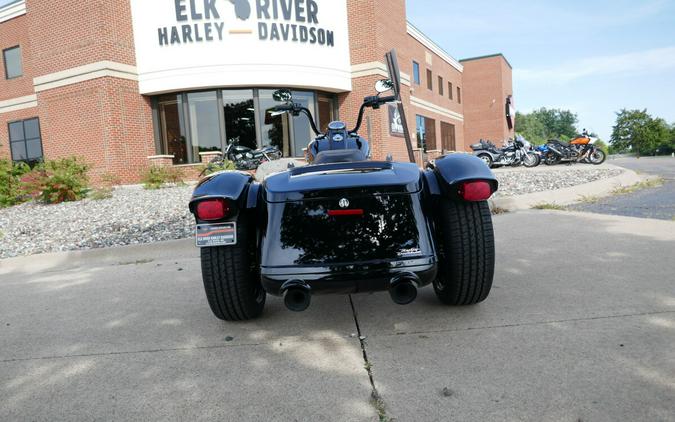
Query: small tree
(638, 131)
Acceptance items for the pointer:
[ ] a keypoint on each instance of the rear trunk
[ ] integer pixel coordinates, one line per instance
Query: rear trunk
(329, 220)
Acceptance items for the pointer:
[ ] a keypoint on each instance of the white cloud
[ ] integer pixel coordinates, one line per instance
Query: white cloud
(649, 61)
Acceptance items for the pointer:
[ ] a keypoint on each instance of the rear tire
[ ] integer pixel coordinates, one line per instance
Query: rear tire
(467, 253)
(231, 278)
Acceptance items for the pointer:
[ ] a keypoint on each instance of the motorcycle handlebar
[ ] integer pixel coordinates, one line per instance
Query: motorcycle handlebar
(374, 102)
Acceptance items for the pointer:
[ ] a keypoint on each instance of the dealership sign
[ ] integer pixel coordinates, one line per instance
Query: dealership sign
(192, 44)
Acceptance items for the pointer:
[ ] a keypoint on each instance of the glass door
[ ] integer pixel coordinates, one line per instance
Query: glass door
(172, 128)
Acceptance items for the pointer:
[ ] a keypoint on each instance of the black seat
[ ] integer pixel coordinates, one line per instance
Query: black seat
(340, 156)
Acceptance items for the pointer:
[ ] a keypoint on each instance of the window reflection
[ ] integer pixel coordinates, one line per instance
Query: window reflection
(275, 128)
(204, 123)
(240, 117)
(172, 127)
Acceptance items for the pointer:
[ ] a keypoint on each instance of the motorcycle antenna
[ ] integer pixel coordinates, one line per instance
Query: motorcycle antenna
(395, 76)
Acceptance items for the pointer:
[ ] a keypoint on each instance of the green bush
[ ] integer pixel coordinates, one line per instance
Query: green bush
(11, 192)
(57, 181)
(157, 177)
(217, 166)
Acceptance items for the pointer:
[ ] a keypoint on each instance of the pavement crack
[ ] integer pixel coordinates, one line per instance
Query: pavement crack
(527, 324)
(375, 399)
(131, 352)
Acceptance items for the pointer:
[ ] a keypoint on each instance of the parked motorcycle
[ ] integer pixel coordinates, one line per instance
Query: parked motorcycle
(580, 149)
(245, 158)
(514, 153)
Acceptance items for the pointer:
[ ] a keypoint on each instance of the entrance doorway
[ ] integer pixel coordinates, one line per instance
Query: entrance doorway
(448, 139)
(172, 129)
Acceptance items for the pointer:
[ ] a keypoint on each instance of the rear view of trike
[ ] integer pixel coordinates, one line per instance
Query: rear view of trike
(345, 224)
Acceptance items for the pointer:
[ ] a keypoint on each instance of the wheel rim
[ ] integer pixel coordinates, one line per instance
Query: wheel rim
(529, 160)
(486, 160)
(597, 156)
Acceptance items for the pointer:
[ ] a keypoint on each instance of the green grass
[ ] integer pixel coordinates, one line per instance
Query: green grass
(547, 206)
(647, 184)
(378, 404)
(588, 199)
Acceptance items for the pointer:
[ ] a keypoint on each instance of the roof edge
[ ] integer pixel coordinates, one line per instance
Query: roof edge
(433, 46)
(487, 57)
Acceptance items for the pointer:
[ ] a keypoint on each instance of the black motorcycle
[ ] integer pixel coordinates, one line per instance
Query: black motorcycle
(514, 153)
(245, 158)
(582, 149)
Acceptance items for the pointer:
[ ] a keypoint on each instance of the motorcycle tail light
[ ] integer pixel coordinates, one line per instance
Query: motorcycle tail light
(345, 213)
(213, 209)
(475, 191)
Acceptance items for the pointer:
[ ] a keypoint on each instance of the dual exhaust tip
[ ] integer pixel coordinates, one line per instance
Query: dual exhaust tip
(402, 289)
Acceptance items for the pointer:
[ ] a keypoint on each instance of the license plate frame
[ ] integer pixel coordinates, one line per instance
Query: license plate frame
(214, 235)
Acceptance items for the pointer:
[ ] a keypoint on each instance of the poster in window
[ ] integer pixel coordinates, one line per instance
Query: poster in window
(395, 123)
(510, 112)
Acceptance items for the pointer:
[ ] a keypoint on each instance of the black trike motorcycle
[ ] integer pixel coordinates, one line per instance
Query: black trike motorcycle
(345, 224)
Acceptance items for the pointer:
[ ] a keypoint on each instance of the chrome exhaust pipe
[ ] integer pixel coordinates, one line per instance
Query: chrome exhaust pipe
(403, 288)
(297, 295)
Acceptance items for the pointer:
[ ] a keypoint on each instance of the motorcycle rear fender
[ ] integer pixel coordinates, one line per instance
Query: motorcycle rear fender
(452, 170)
(239, 188)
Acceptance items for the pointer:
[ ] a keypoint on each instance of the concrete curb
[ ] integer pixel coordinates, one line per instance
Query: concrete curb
(572, 195)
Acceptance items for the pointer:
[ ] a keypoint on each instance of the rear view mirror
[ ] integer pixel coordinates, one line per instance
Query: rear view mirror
(384, 85)
(394, 73)
(283, 96)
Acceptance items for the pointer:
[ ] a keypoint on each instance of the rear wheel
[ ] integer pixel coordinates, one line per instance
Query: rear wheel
(231, 280)
(467, 253)
(552, 159)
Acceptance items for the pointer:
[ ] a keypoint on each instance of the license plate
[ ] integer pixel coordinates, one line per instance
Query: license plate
(210, 235)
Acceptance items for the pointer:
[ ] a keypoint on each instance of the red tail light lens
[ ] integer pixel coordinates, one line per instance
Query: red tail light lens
(345, 213)
(213, 209)
(475, 191)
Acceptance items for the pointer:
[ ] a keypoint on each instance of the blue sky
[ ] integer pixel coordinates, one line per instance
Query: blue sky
(592, 57)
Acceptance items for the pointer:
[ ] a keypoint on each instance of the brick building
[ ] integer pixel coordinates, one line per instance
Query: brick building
(124, 83)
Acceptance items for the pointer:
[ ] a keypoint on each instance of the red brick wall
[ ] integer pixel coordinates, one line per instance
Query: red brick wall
(112, 131)
(71, 33)
(487, 83)
(376, 27)
(12, 33)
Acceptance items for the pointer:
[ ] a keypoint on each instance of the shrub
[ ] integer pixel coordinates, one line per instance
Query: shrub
(10, 182)
(105, 190)
(157, 177)
(217, 166)
(58, 181)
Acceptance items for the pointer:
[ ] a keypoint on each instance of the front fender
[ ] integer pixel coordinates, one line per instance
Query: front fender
(452, 170)
(235, 186)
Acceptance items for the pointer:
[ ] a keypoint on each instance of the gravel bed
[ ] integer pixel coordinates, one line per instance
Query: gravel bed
(521, 181)
(135, 215)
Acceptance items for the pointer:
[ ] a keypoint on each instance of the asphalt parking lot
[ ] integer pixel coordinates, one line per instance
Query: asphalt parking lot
(655, 202)
(580, 327)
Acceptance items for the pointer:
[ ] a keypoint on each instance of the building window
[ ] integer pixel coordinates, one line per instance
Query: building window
(191, 123)
(416, 73)
(450, 90)
(426, 133)
(430, 80)
(12, 59)
(441, 85)
(459, 95)
(25, 140)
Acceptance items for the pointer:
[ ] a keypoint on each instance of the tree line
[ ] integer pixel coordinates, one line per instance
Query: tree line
(635, 131)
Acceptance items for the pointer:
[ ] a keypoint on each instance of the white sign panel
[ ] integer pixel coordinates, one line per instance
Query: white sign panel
(195, 44)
